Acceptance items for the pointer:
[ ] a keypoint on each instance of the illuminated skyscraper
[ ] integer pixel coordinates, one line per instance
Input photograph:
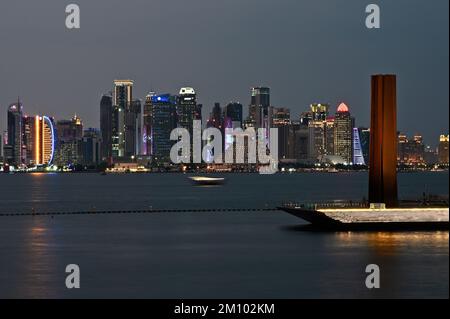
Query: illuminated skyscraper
(319, 111)
(410, 151)
(260, 102)
(364, 138)
(343, 133)
(298, 142)
(69, 134)
(358, 156)
(147, 125)
(28, 139)
(282, 121)
(44, 140)
(216, 118)
(122, 98)
(443, 149)
(187, 108)
(16, 134)
(133, 128)
(164, 120)
(321, 131)
(281, 117)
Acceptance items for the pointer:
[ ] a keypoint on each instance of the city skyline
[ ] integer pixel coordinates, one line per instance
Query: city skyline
(207, 113)
(223, 63)
(133, 130)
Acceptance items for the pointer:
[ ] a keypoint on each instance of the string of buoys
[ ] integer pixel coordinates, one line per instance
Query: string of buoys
(145, 211)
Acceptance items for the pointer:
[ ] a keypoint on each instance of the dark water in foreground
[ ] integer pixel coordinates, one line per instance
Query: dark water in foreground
(207, 255)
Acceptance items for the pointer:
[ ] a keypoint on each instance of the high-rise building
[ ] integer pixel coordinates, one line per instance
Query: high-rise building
(147, 124)
(198, 112)
(44, 140)
(69, 130)
(69, 134)
(443, 151)
(122, 98)
(260, 101)
(430, 155)
(343, 133)
(106, 126)
(317, 140)
(282, 121)
(90, 147)
(216, 117)
(305, 118)
(383, 141)
(364, 138)
(233, 112)
(319, 111)
(321, 131)
(410, 152)
(164, 120)
(358, 156)
(187, 108)
(15, 134)
(298, 142)
(329, 135)
(28, 139)
(133, 129)
(281, 117)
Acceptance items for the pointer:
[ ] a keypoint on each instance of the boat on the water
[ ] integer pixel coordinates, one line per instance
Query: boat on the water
(207, 181)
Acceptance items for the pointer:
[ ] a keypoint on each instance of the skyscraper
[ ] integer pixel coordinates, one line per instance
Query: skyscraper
(133, 128)
(281, 116)
(260, 102)
(90, 147)
(187, 108)
(298, 142)
(44, 140)
(364, 137)
(410, 151)
(343, 133)
(147, 124)
(233, 111)
(358, 156)
(106, 125)
(383, 141)
(321, 131)
(319, 111)
(164, 120)
(216, 117)
(122, 98)
(443, 149)
(15, 134)
(282, 121)
(28, 139)
(69, 134)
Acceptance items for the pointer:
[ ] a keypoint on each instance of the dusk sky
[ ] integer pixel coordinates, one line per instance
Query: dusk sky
(304, 50)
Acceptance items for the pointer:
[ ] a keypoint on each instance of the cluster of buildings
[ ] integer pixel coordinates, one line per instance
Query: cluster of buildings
(34, 142)
(140, 131)
(137, 132)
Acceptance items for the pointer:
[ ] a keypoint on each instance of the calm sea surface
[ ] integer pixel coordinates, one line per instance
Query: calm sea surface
(207, 255)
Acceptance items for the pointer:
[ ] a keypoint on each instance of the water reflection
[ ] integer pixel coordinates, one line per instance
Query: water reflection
(384, 242)
(39, 267)
(391, 251)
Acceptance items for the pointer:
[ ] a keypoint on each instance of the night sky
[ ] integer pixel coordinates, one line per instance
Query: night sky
(305, 50)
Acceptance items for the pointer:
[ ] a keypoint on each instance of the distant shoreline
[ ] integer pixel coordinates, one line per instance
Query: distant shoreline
(298, 171)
